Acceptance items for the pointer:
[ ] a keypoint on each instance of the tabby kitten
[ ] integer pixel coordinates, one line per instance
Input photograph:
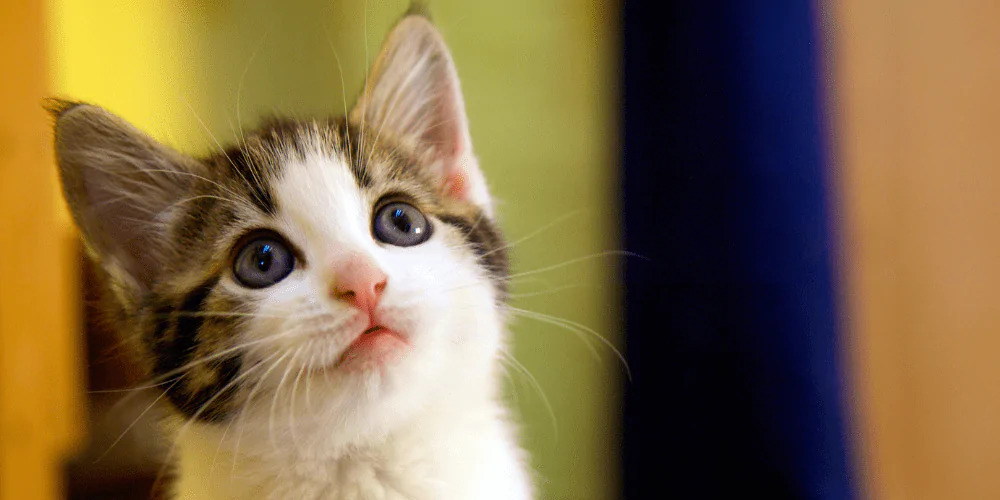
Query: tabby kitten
(322, 304)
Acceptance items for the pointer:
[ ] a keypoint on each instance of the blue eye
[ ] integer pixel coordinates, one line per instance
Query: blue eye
(401, 224)
(263, 262)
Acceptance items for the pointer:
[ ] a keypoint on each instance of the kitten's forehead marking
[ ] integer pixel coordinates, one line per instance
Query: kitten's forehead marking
(319, 196)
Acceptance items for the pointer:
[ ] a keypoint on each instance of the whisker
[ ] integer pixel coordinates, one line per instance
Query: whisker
(308, 403)
(343, 87)
(135, 421)
(193, 198)
(194, 418)
(218, 447)
(232, 128)
(131, 389)
(485, 281)
(573, 326)
(244, 410)
(580, 335)
(607, 253)
(239, 87)
(220, 314)
(277, 392)
(536, 232)
(533, 382)
(291, 403)
(512, 383)
(368, 81)
(129, 175)
(179, 373)
(217, 143)
(544, 292)
(203, 360)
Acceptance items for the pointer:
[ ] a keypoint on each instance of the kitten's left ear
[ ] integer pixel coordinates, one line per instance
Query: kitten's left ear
(122, 188)
(413, 92)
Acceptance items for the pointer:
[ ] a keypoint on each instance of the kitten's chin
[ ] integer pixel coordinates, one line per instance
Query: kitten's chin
(376, 348)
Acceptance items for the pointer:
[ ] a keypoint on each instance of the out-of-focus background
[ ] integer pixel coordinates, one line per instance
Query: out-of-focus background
(812, 191)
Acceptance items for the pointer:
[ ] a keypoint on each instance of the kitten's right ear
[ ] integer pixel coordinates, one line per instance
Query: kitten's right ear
(413, 92)
(121, 186)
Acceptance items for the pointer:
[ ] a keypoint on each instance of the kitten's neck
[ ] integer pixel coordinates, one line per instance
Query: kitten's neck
(458, 450)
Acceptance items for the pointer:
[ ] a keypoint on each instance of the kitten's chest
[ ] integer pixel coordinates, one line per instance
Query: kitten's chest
(445, 470)
(359, 478)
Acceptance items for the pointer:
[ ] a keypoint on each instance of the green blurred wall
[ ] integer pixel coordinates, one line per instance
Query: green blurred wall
(540, 82)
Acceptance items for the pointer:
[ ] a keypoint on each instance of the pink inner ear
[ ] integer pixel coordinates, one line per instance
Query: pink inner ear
(455, 185)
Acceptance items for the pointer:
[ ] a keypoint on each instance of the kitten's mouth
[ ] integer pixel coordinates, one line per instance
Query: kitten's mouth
(376, 346)
(373, 329)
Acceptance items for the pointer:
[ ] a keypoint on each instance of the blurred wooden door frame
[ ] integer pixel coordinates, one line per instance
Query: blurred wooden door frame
(916, 101)
(40, 404)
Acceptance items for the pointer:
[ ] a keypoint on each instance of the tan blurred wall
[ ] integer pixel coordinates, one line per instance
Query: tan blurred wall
(917, 100)
(40, 390)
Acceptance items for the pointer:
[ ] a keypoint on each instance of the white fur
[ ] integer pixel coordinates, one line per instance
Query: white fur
(427, 427)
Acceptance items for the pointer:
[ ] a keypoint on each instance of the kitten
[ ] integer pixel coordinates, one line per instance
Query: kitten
(323, 304)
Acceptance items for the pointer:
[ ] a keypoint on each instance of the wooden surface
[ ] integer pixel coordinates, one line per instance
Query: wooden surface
(39, 377)
(917, 101)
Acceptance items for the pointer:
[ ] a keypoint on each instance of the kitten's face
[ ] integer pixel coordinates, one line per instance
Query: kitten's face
(341, 274)
(329, 247)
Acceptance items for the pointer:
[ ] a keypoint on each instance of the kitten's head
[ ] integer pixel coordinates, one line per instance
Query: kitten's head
(346, 271)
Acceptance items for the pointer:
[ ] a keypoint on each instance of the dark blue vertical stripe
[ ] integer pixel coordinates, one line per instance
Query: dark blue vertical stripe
(731, 329)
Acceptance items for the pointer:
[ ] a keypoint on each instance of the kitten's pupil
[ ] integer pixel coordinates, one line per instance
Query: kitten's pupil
(264, 258)
(401, 221)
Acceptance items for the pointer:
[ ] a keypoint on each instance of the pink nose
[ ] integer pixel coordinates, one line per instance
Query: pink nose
(358, 282)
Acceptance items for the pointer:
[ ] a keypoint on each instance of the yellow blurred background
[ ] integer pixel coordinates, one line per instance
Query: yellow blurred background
(539, 79)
